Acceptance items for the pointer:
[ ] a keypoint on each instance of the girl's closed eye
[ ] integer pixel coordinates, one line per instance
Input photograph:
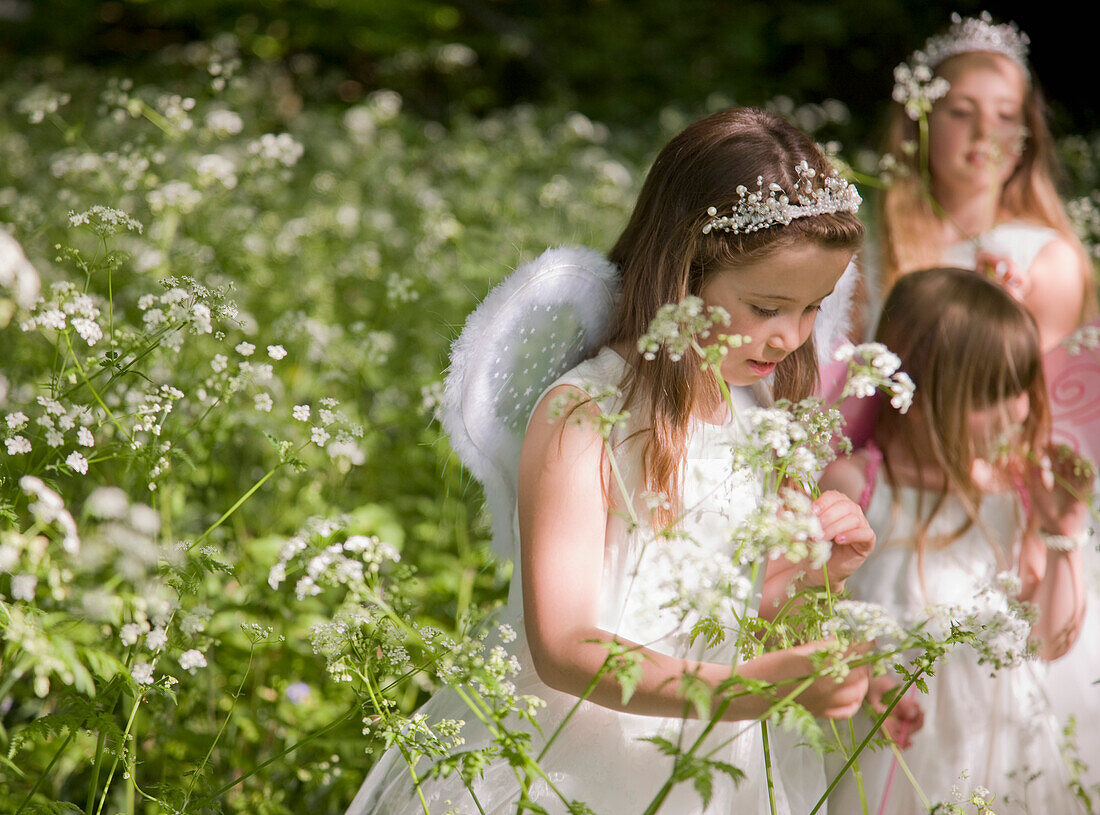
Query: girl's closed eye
(764, 312)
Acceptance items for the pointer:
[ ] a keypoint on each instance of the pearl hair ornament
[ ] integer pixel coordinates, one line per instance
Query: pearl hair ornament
(971, 34)
(762, 209)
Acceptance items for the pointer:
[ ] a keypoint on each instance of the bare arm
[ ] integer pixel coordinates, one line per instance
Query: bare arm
(563, 516)
(1059, 508)
(1056, 294)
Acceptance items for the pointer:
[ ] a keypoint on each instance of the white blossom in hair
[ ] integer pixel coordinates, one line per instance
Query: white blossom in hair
(762, 209)
(979, 33)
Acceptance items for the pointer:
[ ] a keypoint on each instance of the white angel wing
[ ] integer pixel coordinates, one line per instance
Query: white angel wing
(542, 320)
(834, 322)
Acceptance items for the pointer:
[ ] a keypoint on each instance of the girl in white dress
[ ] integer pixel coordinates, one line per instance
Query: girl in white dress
(591, 576)
(948, 523)
(989, 199)
(989, 202)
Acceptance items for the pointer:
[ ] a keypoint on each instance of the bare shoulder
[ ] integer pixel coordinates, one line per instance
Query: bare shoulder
(1057, 292)
(847, 474)
(562, 437)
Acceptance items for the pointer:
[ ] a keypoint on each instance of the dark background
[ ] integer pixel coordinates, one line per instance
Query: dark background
(617, 61)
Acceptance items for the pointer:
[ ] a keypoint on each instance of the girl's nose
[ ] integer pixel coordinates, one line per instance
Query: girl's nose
(787, 335)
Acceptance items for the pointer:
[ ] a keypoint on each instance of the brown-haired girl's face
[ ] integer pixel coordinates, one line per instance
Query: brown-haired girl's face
(976, 131)
(989, 425)
(774, 301)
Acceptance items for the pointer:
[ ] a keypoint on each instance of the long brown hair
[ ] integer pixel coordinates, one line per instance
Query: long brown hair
(968, 345)
(909, 222)
(663, 256)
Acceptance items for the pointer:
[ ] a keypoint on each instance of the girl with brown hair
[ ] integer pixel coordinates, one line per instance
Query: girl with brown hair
(744, 212)
(955, 498)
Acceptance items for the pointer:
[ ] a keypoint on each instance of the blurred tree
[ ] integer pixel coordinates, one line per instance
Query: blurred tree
(614, 60)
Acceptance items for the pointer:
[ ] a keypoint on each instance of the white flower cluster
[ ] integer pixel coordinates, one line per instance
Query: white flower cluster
(872, 366)
(17, 275)
(859, 621)
(105, 221)
(348, 563)
(175, 195)
(677, 325)
(177, 309)
(979, 797)
(329, 421)
(48, 508)
(691, 583)
(41, 102)
(789, 439)
(782, 525)
(417, 737)
(274, 150)
(917, 89)
(153, 409)
(1084, 215)
(67, 307)
(997, 625)
(1086, 338)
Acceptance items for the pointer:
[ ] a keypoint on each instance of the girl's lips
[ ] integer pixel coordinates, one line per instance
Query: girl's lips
(761, 368)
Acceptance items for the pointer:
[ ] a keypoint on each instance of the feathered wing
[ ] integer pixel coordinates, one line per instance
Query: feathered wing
(543, 319)
(834, 323)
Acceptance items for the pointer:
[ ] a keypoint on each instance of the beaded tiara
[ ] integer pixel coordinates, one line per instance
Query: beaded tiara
(979, 33)
(760, 209)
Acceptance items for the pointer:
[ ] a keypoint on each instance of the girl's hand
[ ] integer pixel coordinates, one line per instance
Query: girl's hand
(844, 523)
(1058, 487)
(829, 697)
(904, 720)
(1015, 280)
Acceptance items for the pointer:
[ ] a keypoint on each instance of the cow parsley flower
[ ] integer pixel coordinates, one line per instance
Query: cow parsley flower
(782, 525)
(105, 221)
(916, 88)
(131, 633)
(192, 660)
(23, 587)
(872, 367)
(142, 672)
(16, 421)
(156, 639)
(77, 462)
(17, 445)
(276, 352)
(677, 325)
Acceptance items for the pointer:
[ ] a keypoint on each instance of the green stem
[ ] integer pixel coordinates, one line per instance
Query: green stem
(768, 768)
(97, 763)
(866, 740)
(925, 803)
(235, 506)
(95, 393)
(122, 748)
(225, 723)
(856, 773)
(310, 737)
(45, 772)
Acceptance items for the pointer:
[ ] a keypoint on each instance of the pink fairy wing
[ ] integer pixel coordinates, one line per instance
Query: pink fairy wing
(1072, 371)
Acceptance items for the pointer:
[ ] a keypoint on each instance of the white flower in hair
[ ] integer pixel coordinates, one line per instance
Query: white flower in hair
(762, 209)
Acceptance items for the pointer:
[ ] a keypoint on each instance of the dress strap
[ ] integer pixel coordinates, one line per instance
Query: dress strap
(870, 474)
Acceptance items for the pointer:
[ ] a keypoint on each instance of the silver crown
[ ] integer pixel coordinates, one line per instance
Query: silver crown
(979, 33)
(761, 209)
